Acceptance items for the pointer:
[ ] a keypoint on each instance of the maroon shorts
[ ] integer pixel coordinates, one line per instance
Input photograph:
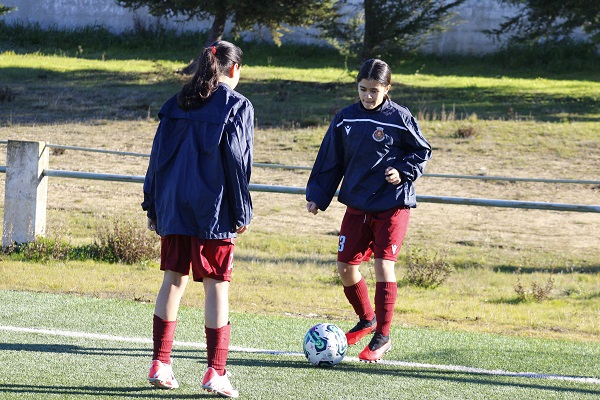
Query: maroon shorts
(364, 234)
(208, 258)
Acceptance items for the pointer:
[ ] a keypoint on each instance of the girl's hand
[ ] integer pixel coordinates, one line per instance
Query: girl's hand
(152, 224)
(241, 229)
(312, 207)
(392, 175)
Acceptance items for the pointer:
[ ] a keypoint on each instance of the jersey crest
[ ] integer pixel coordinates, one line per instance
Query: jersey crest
(378, 135)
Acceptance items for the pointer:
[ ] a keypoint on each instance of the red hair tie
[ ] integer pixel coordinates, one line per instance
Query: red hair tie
(213, 49)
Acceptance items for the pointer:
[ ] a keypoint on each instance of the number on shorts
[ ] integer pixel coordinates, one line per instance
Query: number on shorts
(342, 242)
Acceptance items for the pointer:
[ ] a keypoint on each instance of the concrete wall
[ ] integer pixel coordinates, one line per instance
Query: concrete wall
(78, 13)
(463, 38)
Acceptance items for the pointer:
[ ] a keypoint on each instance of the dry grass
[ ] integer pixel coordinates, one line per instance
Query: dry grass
(285, 262)
(290, 254)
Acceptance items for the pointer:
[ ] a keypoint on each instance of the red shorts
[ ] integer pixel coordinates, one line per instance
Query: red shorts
(208, 258)
(364, 234)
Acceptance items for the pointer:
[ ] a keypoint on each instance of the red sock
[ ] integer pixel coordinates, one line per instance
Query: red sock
(385, 300)
(217, 347)
(358, 296)
(163, 333)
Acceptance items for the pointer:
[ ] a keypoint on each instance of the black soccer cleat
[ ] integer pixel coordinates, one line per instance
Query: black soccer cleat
(375, 350)
(360, 330)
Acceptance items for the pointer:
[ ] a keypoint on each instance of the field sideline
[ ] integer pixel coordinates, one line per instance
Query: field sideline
(177, 344)
(64, 346)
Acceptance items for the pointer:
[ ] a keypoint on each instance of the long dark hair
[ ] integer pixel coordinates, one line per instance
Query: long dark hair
(376, 70)
(215, 60)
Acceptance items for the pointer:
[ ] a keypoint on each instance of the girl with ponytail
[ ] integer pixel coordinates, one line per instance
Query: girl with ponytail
(215, 60)
(197, 200)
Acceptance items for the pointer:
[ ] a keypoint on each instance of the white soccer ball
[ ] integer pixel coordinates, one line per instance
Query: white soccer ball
(325, 345)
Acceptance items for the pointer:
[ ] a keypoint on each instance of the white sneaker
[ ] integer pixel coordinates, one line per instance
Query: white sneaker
(213, 382)
(161, 376)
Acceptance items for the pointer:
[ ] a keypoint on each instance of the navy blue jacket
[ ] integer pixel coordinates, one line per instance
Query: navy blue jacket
(199, 172)
(358, 146)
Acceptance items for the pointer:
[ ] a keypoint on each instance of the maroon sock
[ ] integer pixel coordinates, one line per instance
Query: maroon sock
(385, 300)
(358, 296)
(217, 347)
(163, 333)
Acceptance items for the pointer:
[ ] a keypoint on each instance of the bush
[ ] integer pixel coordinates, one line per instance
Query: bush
(97, 41)
(125, 242)
(44, 249)
(466, 132)
(538, 291)
(425, 269)
(557, 57)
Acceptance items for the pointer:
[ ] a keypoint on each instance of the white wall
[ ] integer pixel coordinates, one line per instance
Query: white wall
(464, 38)
(78, 13)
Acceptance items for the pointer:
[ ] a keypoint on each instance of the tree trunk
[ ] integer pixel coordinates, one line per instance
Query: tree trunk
(216, 33)
(218, 27)
(370, 30)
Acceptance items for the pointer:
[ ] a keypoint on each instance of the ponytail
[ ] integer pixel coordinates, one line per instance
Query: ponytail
(214, 61)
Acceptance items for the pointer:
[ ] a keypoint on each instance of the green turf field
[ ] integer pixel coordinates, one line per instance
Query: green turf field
(69, 347)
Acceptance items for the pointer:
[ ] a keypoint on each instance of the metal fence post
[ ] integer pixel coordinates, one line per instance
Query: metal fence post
(26, 192)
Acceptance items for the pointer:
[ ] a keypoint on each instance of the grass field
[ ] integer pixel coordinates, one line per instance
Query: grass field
(525, 122)
(68, 349)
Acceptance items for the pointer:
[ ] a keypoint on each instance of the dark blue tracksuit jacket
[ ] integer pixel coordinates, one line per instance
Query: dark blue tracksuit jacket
(199, 172)
(358, 146)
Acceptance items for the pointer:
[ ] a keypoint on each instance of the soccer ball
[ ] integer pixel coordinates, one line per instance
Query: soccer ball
(325, 345)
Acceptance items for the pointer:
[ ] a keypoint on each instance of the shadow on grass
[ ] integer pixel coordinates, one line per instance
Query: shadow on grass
(410, 373)
(512, 269)
(592, 296)
(564, 61)
(326, 261)
(510, 301)
(72, 349)
(93, 391)
(418, 373)
(45, 96)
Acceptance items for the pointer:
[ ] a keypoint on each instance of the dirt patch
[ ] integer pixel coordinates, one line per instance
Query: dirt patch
(470, 229)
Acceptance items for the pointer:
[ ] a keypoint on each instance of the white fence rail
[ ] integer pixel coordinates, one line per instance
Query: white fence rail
(25, 188)
(307, 168)
(531, 205)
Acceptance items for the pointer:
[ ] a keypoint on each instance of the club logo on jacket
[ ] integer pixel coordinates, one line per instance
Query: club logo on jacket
(347, 128)
(378, 135)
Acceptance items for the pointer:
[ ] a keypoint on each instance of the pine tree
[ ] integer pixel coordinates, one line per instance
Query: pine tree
(245, 15)
(373, 28)
(551, 20)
